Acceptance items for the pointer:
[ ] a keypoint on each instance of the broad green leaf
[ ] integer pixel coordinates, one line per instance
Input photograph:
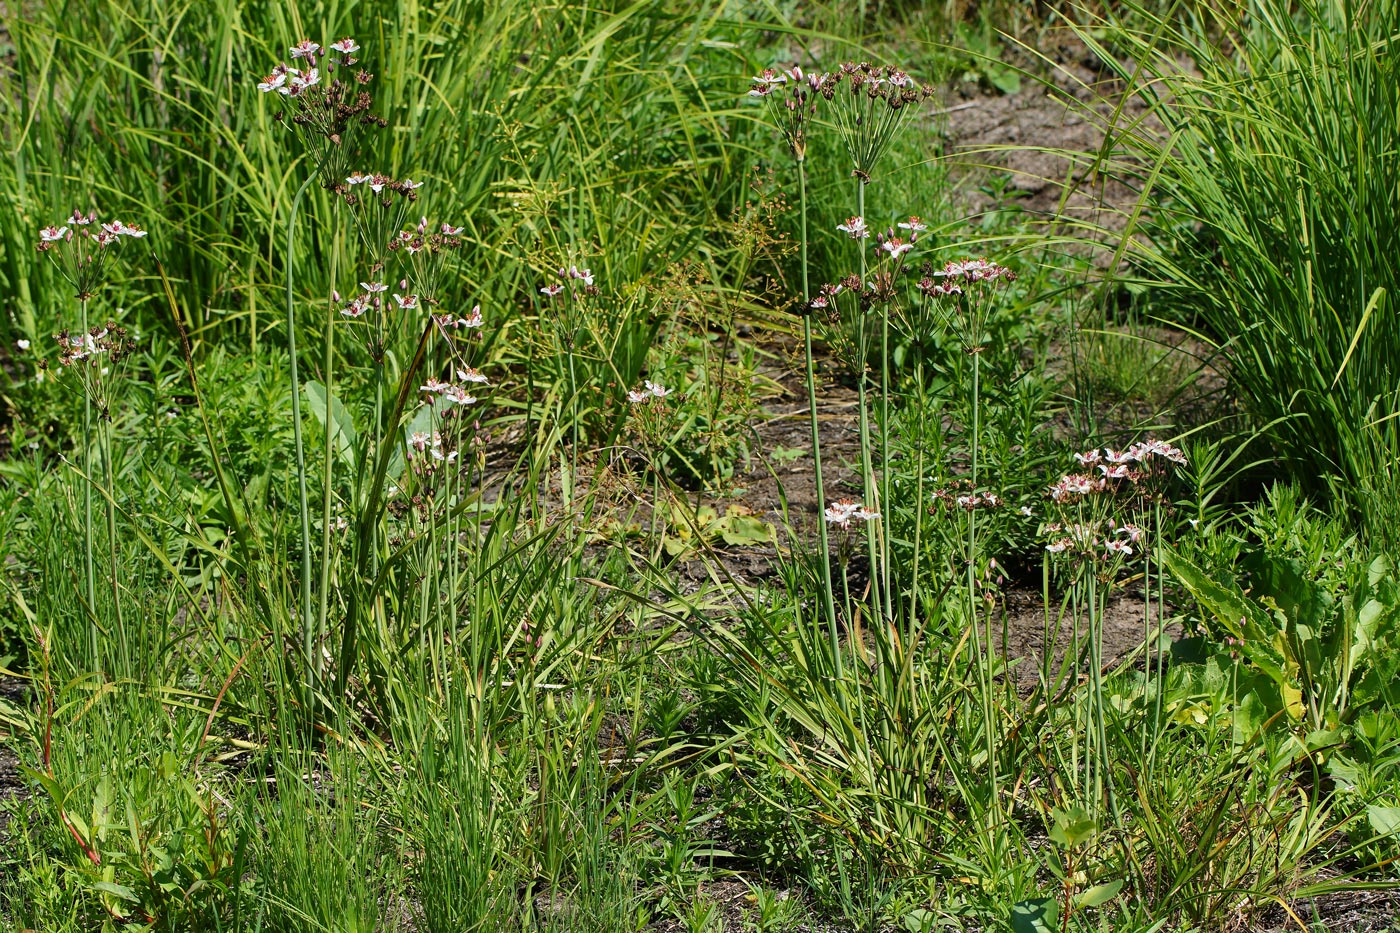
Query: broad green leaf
(343, 435)
(1041, 915)
(1073, 827)
(116, 890)
(1098, 894)
(1385, 821)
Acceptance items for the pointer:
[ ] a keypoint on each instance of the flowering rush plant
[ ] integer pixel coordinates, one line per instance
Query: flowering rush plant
(324, 109)
(82, 247)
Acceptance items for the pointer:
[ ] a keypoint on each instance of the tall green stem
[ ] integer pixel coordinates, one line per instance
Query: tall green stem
(328, 451)
(988, 717)
(824, 557)
(89, 575)
(112, 534)
(867, 466)
(307, 622)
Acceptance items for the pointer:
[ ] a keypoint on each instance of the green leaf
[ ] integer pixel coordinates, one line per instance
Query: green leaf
(1041, 915)
(1073, 827)
(1384, 820)
(343, 434)
(740, 530)
(117, 890)
(1098, 894)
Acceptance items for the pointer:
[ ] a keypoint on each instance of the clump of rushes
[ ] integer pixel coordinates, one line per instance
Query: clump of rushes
(81, 250)
(1092, 542)
(791, 97)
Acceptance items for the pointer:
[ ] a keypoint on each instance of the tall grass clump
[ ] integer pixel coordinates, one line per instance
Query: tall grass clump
(1268, 156)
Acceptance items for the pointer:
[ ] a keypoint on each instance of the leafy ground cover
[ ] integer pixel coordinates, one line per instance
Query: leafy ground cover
(726, 466)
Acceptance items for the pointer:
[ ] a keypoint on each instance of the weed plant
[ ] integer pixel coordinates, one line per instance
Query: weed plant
(414, 603)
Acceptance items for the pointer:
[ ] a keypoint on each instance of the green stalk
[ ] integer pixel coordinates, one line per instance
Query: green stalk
(308, 631)
(867, 467)
(824, 558)
(985, 641)
(89, 576)
(112, 533)
(328, 451)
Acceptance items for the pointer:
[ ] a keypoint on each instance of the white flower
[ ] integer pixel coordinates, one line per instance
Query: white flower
(473, 319)
(637, 396)
(412, 185)
(657, 389)
(449, 230)
(346, 46)
(914, 225)
(374, 288)
(355, 308)
(51, 234)
(896, 247)
(22, 344)
(1088, 457)
(842, 512)
(433, 385)
(854, 228)
(549, 291)
(458, 396)
(357, 178)
(305, 49)
(585, 274)
(406, 302)
(273, 81)
(300, 81)
(472, 375)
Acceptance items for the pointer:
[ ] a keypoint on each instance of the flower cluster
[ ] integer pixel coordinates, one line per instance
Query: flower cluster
(870, 104)
(967, 501)
(649, 391)
(971, 284)
(844, 511)
(324, 110)
(791, 96)
(975, 270)
(80, 249)
(430, 443)
(111, 343)
(425, 252)
(1107, 541)
(574, 280)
